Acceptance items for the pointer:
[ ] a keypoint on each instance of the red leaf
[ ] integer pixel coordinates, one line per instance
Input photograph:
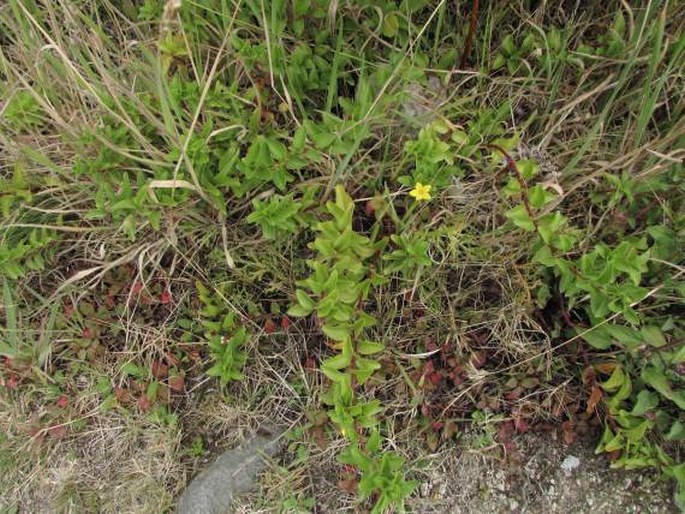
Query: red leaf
(349, 485)
(137, 287)
(62, 401)
(479, 359)
(110, 303)
(606, 367)
(370, 208)
(124, 396)
(612, 456)
(521, 425)
(57, 432)
(510, 447)
(285, 323)
(349, 469)
(11, 382)
(144, 403)
(176, 383)
(165, 297)
(269, 326)
(457, 379)
(319, 435)
(159, 370)
(310, 363)
(172, 359)
(437, 425)
(450, 429)
(447, 347)
(505, 431)
(435, 378)
(515, 394)
(595, 397)
(569, 436)
(589, 375)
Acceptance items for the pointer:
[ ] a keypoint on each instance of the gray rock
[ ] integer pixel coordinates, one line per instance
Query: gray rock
(234, 472)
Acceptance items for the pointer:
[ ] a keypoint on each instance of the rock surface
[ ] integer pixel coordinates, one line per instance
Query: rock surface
(234, 472)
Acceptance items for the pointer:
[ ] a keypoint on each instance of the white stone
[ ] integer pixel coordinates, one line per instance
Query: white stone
(571, 462)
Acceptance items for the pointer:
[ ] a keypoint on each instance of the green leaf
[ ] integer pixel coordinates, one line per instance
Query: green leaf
(527, 168)
(334, 375)
(300, 136)
(538, 197)
(678, 473)
(337, 362)
(622, 394)
(653, 336)
(564, 242)
(656, 379)
(646, 401)
(544, 256)
(305, 300)
(337, 332)
(413, 5)
(369, 347)
(679, 356)
(677, 432)
(628, 337)
(519, 215)
(323, 140)
(598, 337)
(132, 370)
(298, 311)
(152, 390)
(549, 225)
(365, 368)
(508, 44)
(373, 443)
(636, 434)
(615, 381)
(391, 25)
(301, 7)
(607, 436)
(499, 62)
(125, 204)
(617, 443)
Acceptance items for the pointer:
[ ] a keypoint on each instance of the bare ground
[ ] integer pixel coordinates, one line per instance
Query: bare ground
(471, 482)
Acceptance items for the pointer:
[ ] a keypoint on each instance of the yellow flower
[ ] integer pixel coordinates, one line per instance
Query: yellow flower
(421, 192)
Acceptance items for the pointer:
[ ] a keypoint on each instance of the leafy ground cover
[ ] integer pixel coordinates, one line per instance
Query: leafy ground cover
(379, 224)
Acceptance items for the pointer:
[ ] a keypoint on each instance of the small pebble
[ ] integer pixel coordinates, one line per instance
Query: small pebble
(570, 464)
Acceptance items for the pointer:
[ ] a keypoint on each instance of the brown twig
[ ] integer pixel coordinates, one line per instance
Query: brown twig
(469, 37)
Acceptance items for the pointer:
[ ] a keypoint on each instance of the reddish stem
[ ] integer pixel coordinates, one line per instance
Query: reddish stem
(511, 166)
(469, 37)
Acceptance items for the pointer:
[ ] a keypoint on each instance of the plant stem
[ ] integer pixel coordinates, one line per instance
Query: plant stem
(469, 37)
